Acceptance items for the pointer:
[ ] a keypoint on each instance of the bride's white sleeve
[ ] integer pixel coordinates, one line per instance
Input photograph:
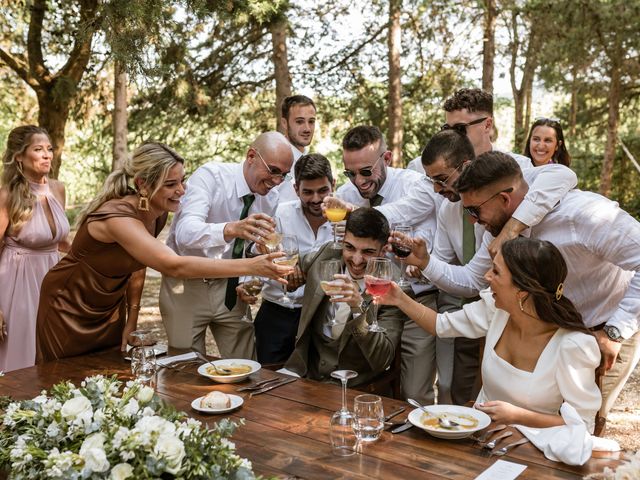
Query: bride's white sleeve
(471, 322)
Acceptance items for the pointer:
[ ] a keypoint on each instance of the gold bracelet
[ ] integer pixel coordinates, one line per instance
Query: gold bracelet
(133, 307)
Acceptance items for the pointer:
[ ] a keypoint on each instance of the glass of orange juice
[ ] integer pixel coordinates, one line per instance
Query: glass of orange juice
(335, 212)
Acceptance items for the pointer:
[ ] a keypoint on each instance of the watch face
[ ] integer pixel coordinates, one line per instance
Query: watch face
(612, 332)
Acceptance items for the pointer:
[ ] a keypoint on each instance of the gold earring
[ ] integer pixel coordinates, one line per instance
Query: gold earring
(143, 201)
(520, 303)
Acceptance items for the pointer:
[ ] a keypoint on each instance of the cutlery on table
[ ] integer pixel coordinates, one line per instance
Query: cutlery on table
(492, 444)
(258, 385)
(403, 427)
(394, 414)
(503, 450)
(179, 365)
(485, 436)
(271, 387)
(220, 370)
(444, 422)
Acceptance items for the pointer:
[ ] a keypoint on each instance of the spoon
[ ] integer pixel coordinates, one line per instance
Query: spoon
(219, 370)
(444, 422)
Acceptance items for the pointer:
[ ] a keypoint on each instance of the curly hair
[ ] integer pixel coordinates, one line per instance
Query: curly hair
(472, 99)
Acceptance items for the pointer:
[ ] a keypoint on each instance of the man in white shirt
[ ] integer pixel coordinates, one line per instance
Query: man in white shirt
(599, 241)
(276, 323)
(225, 205)
(374, 183)
(457, 239)
(298, 123)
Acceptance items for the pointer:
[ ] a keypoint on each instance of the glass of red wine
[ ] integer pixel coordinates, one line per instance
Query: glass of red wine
(377, 280)
(401, 246)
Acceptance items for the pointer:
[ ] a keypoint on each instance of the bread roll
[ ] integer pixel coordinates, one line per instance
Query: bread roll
(216, 400)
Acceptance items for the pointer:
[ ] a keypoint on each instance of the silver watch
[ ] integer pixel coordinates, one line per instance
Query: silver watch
(613, 333)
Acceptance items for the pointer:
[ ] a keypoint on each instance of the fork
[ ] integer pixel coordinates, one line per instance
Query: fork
(506, 448)
(258, 386)
(492, 444)
(483, 438)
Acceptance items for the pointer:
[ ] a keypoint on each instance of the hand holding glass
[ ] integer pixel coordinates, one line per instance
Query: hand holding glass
(330, 285)
(377, 280)
(402, 244)
(335, 212)
(253, 287)
(288, 245)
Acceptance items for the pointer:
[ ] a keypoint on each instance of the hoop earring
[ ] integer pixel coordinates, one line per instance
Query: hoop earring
(143, 201)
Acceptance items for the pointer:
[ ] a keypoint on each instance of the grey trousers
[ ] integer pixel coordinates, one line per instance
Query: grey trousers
(188, 307)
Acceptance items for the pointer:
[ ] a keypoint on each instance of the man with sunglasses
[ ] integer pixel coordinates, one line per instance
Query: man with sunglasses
(599, 241)
(374, 183)
(226, 204)
(445, 156)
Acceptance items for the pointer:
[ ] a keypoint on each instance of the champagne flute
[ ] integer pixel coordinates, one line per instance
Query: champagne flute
(335, 213)
(344, 441)
(330, 285)
(288, 245)
(402, 246)
(253, 286)
(377, 280)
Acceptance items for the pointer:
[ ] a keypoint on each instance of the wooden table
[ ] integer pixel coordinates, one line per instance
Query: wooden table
(286, 433)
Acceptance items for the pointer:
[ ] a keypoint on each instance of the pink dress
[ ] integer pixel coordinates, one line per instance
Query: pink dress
(24, 261)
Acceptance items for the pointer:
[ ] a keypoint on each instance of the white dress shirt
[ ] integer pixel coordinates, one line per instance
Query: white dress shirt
(600, 243)
(213, 198)
(285, 189)
(564, 371)
(295, 223)
(416, 165)
(449, 236)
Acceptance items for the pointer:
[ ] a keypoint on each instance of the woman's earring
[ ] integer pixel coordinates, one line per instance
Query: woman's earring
(520, 303)
(143, 202)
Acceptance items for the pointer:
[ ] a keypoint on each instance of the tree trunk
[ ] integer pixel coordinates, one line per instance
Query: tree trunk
(52, 116)
(278, 29)
(613, 98)
(395, 135)
(488, 45)
(119, 116)
(573, 110)
(527, 115)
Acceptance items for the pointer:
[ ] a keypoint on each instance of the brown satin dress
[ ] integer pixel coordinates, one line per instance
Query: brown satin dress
(83, 298)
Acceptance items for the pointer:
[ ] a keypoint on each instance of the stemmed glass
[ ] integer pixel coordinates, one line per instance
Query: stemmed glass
(253, 286)
(402, 246)
(288, 245)
(344, 441)
(330, 285)
(377, 280)
(335, 213)
(272, 240)
(143, 358)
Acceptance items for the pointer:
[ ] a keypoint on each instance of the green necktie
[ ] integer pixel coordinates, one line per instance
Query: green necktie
(468, 239)
(231, 296)
(376, 201)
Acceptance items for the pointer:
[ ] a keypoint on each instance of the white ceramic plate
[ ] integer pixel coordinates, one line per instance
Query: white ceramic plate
(202, 370)
(236, 401)
(463, 415)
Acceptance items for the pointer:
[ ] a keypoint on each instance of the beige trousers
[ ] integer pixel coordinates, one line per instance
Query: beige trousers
(188, 307)
(615, 379)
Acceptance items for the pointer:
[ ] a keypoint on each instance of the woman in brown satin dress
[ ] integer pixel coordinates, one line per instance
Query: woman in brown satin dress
(90, 300)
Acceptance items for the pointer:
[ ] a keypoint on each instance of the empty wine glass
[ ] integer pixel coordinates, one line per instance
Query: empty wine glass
(377, 280)
(330, 285)
(335, 213)
(288, 245)
(402, 245)
(344, 441)
(253, 286)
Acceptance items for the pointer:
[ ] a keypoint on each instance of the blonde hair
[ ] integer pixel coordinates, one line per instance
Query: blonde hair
(21, 200)
(149, 163)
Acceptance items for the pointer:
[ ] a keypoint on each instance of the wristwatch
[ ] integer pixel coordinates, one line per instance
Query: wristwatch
(613, 333)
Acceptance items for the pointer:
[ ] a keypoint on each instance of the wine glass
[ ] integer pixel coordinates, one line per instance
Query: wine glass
(272, 240)
(369, 417)
(344, 441)
(253, 286)
(402, 246)
(143, 358)
(335, 213)
(330, 285)
(377, 280)
(288, 245)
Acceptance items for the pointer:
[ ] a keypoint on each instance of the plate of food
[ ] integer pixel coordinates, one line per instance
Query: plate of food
(229, 370)
(217, 402)
(464, 420)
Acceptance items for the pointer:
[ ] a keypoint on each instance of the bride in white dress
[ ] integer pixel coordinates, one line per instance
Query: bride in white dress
(538, 353)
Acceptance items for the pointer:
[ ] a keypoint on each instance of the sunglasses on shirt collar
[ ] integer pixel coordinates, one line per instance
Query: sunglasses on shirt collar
(462, 127)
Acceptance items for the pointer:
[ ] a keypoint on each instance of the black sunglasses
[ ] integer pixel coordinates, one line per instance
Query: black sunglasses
(366, 171)
(462, 127)
(475, 211)
(445, 181)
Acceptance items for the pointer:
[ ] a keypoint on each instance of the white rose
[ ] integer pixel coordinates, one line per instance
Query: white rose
(171, 449)
(121, 471)
(155, 424)
(145, 394)
(75, 406)
(92, 451)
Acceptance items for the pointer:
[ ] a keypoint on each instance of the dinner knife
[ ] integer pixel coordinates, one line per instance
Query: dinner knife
(259, 385)
(393, 414)
(271, 387)
(406, 426)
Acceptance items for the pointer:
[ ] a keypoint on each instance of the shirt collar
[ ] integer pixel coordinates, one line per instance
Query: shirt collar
(242, 187)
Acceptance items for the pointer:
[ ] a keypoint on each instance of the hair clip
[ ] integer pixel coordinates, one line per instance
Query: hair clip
(559, 291)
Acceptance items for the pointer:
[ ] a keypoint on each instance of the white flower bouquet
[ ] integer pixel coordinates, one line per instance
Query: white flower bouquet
(105, 429)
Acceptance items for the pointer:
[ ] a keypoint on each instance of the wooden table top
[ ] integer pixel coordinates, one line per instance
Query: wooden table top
(286, 433)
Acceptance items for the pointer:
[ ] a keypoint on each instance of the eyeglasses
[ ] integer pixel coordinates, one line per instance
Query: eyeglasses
(366, 171)
(274, 172)
(445, 182)
(475, 211)
(462, 127)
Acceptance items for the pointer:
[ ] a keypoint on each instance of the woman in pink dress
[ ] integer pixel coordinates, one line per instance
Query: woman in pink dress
(33, 226)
